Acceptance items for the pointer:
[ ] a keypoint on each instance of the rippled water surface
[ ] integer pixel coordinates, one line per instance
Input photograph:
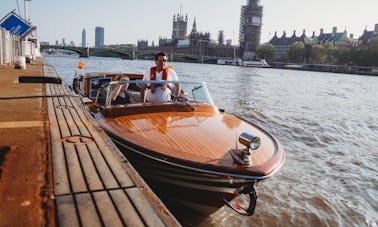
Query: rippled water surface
(328, 124)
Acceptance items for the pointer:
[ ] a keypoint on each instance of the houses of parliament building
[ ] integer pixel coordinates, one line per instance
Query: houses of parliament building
(200, 44)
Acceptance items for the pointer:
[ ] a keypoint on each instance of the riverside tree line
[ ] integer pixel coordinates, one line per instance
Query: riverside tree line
(326, 54)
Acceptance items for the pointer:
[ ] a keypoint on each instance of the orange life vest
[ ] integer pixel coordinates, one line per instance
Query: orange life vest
(153, 76)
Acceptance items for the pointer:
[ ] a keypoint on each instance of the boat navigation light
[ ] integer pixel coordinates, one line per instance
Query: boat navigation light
(249, 140)
(244, 156)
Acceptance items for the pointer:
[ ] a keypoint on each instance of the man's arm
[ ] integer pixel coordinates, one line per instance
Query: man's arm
(176, 86)
(143, 88)
(143, 93)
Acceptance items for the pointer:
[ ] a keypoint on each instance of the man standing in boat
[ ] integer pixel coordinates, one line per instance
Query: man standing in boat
(159, 92)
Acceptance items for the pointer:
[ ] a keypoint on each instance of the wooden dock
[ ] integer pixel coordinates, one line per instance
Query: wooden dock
(94, 185)
(74, 175)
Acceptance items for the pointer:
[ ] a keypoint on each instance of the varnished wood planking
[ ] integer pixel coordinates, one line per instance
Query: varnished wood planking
(194, 137)
(186, 139)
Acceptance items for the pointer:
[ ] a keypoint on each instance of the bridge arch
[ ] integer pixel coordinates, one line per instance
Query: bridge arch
(80, 51)
(110, 53)
(132, 54)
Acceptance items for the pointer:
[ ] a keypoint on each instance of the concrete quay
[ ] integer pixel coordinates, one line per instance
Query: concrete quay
(57, 167)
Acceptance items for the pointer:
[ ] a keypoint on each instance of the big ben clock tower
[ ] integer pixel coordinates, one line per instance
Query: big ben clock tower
(250, 29)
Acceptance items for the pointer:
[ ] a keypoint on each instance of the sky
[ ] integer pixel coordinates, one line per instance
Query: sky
(126, 21)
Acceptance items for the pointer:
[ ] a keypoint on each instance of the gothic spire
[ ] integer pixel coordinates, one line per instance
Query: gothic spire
(194, 29)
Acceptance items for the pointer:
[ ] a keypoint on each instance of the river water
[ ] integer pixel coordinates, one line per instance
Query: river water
(328, 124)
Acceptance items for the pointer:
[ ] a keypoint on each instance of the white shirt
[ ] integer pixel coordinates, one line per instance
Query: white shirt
(160, 95)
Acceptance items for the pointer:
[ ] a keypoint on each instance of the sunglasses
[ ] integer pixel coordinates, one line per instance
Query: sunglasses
(162, 60)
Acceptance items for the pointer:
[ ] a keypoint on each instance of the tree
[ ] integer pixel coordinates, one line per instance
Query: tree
(356, 56)
(317, 54)
(343, 57)
(296, 52)
(265, 51)
(329, 50)
(372, 53)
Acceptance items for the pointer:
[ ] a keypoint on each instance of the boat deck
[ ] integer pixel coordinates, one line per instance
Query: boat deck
(93, 183)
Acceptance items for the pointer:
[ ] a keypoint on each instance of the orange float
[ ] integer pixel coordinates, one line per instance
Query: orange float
(80, 65)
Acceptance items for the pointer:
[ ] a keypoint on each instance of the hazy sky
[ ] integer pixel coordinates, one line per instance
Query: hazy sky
(127, 21)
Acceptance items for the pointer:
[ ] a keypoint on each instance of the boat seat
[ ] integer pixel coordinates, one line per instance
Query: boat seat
(135, 96)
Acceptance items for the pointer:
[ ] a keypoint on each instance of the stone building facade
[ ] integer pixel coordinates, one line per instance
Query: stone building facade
(179, 27)
(338, 39)
(281, 45)
(367, 36)
(196, 43)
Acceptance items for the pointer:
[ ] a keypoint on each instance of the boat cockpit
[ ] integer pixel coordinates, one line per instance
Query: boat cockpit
(100, 90)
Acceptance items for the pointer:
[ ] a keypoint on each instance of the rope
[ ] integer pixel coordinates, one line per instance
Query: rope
(38, 96)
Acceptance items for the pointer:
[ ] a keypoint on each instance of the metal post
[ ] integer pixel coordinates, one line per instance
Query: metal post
(26, 10)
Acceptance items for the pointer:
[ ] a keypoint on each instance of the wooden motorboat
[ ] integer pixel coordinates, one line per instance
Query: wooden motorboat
(186, 149)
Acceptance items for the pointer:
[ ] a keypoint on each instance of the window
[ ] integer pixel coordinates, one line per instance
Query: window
(98, 87)
(256, 20)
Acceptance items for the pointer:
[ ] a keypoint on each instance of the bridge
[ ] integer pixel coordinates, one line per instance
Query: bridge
(128, 53)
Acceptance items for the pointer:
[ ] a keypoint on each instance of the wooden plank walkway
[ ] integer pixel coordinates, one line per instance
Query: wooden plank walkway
(94, 185)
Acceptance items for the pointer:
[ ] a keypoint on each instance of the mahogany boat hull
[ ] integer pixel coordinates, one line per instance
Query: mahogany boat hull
(202, 190)
(201, 185)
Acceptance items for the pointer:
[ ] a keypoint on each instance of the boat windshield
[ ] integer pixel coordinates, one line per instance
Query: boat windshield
(179, 91)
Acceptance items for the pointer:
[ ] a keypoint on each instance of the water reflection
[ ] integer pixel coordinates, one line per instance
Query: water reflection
(231, 122)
